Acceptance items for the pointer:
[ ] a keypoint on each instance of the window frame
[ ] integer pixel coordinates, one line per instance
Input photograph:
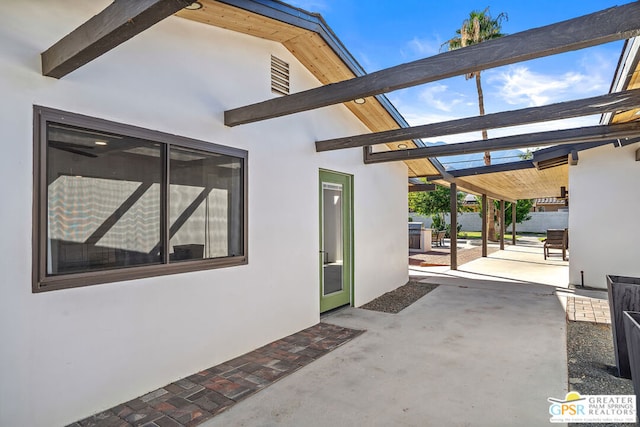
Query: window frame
(41, 282)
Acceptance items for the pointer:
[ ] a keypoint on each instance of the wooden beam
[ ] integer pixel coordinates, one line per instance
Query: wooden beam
(119, 22)
(484, 225)
(421, 187)
(501, 167)
(616, 23)
(428, 177)
(537, 139)
(472, 188)
(453, 233)
(619, 101)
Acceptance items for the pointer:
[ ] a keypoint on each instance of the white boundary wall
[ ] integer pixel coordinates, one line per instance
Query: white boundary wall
(68, 354)
(605, 201)
(540, 222)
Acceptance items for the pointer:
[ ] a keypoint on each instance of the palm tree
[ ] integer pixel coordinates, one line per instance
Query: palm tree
(479, 27)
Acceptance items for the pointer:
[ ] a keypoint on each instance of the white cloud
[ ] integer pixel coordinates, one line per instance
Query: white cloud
(520, 86)
(421, 48)
(601, 65)
(439, 97)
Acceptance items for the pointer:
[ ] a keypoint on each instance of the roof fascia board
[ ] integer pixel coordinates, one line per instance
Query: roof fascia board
(627, 64)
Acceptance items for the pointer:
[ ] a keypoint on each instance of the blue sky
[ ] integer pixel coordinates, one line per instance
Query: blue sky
(381, 34)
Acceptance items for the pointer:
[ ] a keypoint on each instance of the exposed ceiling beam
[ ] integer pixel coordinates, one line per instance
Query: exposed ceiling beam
(608, 25)
(472, 188)
(501, 167)
(421, 187)
(119, 22)
(563, 150)
(537, 139)
(614, 102)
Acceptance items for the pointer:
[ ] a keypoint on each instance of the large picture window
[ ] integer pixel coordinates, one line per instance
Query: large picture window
(114, 202)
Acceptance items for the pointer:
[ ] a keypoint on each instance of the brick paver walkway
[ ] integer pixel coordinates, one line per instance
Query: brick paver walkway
(584, 309)
(442, 256)
(192, 400)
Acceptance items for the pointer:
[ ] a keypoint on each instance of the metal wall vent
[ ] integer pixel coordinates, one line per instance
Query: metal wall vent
(279, 76)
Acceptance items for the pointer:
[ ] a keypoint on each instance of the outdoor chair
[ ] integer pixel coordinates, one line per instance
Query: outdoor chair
(556, 239)
(437, 237)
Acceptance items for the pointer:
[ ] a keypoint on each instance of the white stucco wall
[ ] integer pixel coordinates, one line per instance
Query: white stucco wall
(603, 222)
(70, 353)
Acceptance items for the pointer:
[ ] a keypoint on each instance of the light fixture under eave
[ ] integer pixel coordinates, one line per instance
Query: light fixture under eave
(402, 146)
(359, 101)
(194, 6)
(100, 142)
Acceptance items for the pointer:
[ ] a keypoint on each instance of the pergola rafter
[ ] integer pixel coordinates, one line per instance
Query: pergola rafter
(536, 139)
(613, 102)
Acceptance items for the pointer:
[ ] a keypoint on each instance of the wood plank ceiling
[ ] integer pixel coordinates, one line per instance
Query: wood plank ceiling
(315, 54)
(521, 184)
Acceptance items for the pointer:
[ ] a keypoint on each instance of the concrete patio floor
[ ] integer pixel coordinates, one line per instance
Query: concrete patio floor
(486, 348)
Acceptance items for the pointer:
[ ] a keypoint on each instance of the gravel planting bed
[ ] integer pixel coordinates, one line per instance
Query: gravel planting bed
(592, 364)
(400, 298)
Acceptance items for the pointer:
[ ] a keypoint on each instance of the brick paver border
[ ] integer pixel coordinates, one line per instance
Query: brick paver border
(584, 309)
(197, 398)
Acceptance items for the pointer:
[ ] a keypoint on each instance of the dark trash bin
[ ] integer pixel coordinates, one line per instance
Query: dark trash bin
(624, 295)
(632, 331)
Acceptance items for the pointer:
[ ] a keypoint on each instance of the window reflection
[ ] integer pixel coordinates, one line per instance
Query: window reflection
(103, 201)
(205, 205)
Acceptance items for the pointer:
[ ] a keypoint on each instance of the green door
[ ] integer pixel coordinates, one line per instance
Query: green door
(336, 240)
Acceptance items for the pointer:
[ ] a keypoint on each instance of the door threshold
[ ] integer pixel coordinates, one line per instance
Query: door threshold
(334, 311)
